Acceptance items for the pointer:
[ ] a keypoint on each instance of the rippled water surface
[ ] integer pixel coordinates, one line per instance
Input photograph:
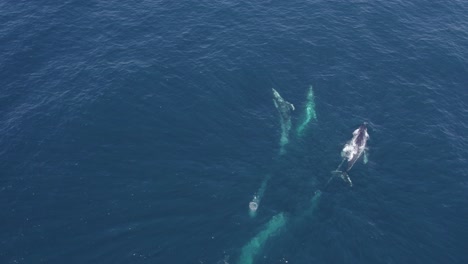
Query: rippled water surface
(138, 132)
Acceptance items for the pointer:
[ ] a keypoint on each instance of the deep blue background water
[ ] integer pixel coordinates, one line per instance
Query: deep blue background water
(137, 132)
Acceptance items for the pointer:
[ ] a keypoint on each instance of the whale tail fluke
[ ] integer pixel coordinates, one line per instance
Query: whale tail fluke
(346, 178)
(338, 172)
(342, 174)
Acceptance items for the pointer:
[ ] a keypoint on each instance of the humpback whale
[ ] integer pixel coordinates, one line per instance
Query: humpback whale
(310, 113)
(353, 150)
(255, 203)
(284, 108)
(356, 146)
(254, 247)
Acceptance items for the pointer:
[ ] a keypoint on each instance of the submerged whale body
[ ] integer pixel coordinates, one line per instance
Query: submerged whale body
(309, 114)
(255, 203)
(284, 108)
(255, 246)
(353, 150)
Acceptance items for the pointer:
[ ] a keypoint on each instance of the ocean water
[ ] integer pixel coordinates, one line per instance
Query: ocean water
(139, 131)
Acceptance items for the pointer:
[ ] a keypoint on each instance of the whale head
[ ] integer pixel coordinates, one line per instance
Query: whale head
(275, 93)
(363, 127)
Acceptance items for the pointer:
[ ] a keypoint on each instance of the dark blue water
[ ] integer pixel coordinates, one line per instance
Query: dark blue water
(137, 132)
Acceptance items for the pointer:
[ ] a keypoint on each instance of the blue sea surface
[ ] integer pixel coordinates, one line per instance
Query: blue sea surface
(139, 131)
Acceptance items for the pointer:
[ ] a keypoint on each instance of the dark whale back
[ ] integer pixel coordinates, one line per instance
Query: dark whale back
(361, 135)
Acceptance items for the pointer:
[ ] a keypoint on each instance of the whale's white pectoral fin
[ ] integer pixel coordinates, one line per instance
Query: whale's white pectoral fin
(292, 107)
(276, 104)
(366, 157)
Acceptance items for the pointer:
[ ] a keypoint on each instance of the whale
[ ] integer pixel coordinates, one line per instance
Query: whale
(354, 149)
(254, 247)
(284, 108)
(309, 114)
(255, 203)
(277, 225)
